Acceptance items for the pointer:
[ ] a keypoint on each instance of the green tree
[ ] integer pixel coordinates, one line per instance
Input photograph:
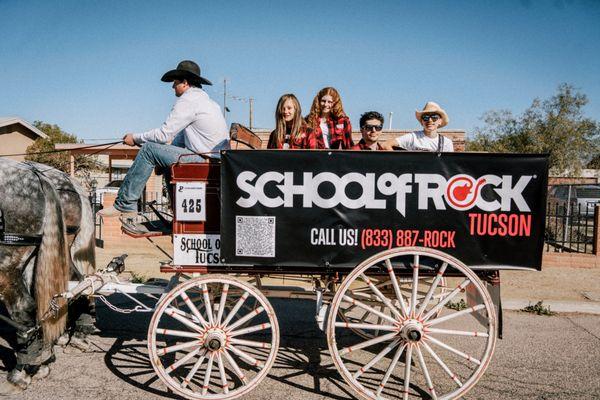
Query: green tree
(594, 163)
(38, 151)
(556, 126)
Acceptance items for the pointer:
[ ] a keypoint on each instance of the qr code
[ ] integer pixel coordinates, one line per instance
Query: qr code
(254, 236)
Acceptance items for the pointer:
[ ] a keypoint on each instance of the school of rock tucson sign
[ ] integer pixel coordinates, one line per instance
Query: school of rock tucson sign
(334, 209)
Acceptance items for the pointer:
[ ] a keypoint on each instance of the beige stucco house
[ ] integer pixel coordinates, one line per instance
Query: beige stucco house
(16, 135)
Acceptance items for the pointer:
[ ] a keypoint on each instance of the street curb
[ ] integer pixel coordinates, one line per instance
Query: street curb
(555, 305)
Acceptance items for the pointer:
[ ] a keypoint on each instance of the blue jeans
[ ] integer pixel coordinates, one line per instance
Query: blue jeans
(150, 155)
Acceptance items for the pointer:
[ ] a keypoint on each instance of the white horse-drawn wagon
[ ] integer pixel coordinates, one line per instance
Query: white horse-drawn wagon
(400, 251)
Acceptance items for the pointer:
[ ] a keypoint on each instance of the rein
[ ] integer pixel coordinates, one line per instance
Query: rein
(65, 150)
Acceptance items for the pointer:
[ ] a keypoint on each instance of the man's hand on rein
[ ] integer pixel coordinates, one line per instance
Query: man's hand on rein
(128, 140)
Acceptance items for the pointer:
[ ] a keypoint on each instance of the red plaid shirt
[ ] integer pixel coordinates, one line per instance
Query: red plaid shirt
(305, 140)
(363, 146)
(340, 133)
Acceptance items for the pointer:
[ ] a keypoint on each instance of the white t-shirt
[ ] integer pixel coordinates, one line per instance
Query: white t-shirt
(325, 130)
(421, 142)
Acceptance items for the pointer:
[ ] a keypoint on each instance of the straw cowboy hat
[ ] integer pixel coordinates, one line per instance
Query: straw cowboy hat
(188, 70)
(433, 108)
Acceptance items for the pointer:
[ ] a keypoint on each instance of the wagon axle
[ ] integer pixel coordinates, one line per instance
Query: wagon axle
(215, 339)
(411, 330)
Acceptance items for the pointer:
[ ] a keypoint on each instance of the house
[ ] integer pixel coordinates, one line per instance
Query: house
(16, 135)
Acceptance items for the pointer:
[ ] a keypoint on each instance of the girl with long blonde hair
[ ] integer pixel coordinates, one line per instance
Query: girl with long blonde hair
(330, 124)
(291, 131)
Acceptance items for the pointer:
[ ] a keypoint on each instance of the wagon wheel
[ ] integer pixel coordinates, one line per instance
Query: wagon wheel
(355, 314)
(418, 351)
(211, 355)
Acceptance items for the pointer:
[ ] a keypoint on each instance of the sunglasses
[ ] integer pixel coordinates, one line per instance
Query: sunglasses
(368, 127)
(433, 117)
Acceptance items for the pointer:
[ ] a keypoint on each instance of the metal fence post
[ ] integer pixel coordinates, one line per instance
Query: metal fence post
(596, 242)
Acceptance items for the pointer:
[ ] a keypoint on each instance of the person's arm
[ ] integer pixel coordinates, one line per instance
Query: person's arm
(179, 140)
(348, 134)
(182, 115)
(448, 145)
(273, 140)
(403, 141)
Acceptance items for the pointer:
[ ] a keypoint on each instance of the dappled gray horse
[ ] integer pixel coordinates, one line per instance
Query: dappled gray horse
(47, 226)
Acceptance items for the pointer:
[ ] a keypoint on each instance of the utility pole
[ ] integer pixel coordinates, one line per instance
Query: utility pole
(390, 119)
(225, 98)
(251, 100)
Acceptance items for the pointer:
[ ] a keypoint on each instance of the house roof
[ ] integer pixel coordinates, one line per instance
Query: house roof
(6, 121)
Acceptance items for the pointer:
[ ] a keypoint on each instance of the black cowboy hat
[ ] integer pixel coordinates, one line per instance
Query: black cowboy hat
(188, 70)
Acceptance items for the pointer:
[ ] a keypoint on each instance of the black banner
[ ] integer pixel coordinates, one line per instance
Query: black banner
(336, 208)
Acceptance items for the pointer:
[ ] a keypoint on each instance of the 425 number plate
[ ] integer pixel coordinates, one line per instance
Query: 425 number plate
(190, 199)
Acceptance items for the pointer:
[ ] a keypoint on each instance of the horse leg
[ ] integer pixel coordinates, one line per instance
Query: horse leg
(32, 355)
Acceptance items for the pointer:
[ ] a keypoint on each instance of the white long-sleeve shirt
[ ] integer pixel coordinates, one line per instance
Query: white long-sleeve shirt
(197, 118)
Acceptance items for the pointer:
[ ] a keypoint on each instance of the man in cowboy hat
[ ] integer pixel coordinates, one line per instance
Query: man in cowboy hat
(195, 125)
(432, 117)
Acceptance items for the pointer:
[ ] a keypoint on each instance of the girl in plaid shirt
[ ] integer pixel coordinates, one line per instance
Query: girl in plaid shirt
(329, 122)
(291, 131)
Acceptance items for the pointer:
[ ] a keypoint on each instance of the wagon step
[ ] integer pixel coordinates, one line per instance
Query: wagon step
(142, 226)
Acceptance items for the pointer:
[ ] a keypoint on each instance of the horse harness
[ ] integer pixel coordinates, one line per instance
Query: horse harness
(16, 239)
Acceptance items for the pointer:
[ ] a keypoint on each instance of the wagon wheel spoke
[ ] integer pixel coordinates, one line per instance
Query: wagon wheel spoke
(222, 303)
(425, 373)
(183, 360)
(375, 327)
(172, 332)
(203, 350)
(415, 280)
(235, 309)
(459, 333)
(193, 309)
(455, 315)
(193, 371)
(369, 309)
(207, 306)
(209, 365)
(245, 318)
(368, 343)
(235, 367)
(179, 347)
(447, 370)
(390, 369)
(171, 312)
(446, 299)
(250, 329)
(398, 346)
(376, 359)
(432, 289)
(453, 350)
(224, 382)
(380, 295)
(392, 274)
(407, 366)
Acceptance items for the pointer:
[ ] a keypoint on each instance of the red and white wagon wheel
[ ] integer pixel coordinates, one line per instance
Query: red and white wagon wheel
(423, 348)
(205, 344)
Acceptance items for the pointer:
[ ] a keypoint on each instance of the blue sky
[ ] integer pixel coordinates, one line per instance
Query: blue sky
(94, 68)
